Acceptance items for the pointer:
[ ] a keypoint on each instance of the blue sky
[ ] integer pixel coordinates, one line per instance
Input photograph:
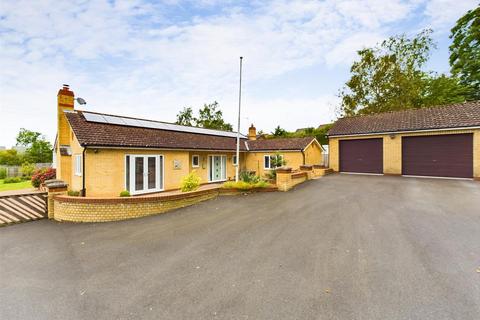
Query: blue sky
(152, 58)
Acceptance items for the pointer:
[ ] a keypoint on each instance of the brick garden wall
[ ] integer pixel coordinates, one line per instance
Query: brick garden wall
(77, 209)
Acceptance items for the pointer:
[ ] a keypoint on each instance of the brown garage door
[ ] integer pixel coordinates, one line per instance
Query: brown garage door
(362, 156)
(439, 156)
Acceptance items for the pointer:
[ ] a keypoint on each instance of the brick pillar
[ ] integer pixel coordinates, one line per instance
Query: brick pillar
(54, 187)
(308, 169)
(284, 178)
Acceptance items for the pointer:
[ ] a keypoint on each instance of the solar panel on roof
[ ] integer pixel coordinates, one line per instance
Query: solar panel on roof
(93, 117)
(114, 120)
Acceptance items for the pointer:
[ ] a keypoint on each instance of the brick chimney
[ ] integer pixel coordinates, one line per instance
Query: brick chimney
(65, 99)
(64, 103)
(252, 133)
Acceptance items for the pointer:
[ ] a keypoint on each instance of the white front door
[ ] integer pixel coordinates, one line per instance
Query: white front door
(145, 173)
(217, 168)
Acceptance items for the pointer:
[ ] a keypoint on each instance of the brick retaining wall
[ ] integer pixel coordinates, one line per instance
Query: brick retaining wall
(78, 209)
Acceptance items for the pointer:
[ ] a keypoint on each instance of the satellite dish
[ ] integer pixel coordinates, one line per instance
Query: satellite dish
(81, 101)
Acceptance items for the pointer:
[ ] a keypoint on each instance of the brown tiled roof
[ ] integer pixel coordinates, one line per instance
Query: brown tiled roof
(111, 135)
(452, 116)
(279, 144)
(97, 134)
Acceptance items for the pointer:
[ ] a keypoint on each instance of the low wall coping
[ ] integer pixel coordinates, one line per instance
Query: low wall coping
(319, 166)
(299, 175)
(306, 167)
(135, 199)
(283, 170)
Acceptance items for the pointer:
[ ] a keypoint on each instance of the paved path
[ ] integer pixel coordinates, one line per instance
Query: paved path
(342, 247)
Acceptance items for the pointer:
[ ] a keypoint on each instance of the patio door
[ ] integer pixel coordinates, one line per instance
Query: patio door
(144, 173)
(217, 168)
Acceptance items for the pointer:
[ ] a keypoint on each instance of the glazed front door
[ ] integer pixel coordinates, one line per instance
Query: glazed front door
(217, 168)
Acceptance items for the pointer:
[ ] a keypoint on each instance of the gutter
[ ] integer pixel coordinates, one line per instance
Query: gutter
(84, 190)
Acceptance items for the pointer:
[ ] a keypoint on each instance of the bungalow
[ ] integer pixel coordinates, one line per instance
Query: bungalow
(438, 141)
(102, 154)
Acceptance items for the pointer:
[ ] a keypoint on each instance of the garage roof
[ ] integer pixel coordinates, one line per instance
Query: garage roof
(461, 115)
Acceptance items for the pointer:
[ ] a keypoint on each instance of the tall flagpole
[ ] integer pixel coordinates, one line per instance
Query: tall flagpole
(238, 124)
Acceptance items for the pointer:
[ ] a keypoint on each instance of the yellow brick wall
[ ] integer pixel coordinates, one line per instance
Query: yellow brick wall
(254, 161)
(202, 170)
(392, 149)
(75, 181)
(121, 208)
(313, 154)
(105, 169)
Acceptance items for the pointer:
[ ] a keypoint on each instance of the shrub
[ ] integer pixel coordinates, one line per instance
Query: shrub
(41, 175)
(3, 173)
(73, 193)
(27, 169)
(190, 182)
(12, 180)
(245, 186)
(124, 193)
(249, 177)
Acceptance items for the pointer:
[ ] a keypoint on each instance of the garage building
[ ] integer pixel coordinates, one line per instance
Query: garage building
(436, 142)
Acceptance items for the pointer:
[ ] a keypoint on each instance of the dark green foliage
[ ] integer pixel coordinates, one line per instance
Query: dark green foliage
(73, 193)
(209, 117)
(3, 173)
(11, 157)
(39, 150)
(390, 77)
(12, 180)
(249, 177)
(280, 132)
(465, 51)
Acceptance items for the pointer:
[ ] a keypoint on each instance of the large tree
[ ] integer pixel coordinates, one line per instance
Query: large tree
(39, 150)
(465, 51)
(210, 117)
(390, 77)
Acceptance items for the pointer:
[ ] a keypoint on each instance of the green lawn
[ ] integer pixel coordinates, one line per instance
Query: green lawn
(15, 186)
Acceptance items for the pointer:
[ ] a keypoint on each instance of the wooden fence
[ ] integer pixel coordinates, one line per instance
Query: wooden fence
(15, 171)
(23, 207)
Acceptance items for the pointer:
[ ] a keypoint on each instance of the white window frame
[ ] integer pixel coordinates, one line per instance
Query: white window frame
(160, 173)
(77, 165)
(270, 160)
(198, 161)
(210, 156)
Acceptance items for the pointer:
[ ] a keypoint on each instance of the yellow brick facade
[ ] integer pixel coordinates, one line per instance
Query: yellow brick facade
(294, 159)
(392, 149)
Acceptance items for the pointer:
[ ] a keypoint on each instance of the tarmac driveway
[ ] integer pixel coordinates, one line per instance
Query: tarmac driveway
(342, 247)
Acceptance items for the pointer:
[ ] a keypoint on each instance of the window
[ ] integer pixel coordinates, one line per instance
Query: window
(234, 160)
(78, 164)
(143, 173)
(268, 161)
(195, 161)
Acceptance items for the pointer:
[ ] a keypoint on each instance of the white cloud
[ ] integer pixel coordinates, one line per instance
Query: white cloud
(146, 59)
(442, 14)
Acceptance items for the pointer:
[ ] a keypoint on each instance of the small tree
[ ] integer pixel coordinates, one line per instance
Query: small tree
(209, 117)
(185, 117)
(38, 148)
(279, 132)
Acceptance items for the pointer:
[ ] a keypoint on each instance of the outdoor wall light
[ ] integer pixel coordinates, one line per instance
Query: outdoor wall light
(392, 136)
